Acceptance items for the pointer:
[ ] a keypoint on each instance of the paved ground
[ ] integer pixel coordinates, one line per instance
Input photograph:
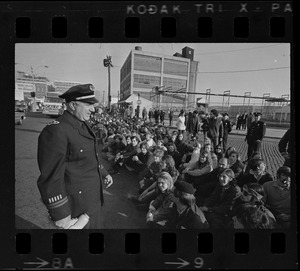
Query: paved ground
(118, 212)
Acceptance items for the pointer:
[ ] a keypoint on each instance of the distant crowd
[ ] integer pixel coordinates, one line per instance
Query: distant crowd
(189, 177)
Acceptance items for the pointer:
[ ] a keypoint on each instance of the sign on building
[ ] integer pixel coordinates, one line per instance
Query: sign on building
(114, 100)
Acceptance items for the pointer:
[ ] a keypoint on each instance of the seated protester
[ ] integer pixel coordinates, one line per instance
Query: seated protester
(235, 164)
(217, 207)
(192, 141)
(257, 174)
(174, 153)
(142, 160)
(192, 164)
(142, 132)
(252, 194)
(136, 134)
(218, 151)
(166, 140)
(255, 156)
(207, 147)
(108, 140)
(148, 187)
(168, 165)
(228, 151)
(157, 156)
(150, 142)
(207, 141)
(207, 183)
(160, 209)
(204, 166)
(173, 137)
(181, 145)
(189, 150)
(125, 155)
(160, 144)
(115, 147)
(277, 197)
(188, 215)
(101, 133)
(249, 216)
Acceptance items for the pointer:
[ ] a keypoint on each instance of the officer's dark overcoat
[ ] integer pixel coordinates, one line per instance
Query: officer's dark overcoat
(71, 173)
(256, 131)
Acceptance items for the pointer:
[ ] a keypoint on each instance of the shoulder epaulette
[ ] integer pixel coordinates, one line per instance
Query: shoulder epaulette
(53, 122)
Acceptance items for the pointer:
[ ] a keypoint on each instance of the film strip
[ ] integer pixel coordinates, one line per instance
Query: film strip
(136, 22)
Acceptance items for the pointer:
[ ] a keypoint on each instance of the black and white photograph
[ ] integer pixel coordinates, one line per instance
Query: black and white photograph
(153, 136)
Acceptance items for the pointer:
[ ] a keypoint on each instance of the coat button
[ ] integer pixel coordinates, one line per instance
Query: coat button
(81, 150)
(79, 192)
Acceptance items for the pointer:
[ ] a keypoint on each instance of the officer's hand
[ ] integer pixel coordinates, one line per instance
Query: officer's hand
(108, 181)
(66, 222)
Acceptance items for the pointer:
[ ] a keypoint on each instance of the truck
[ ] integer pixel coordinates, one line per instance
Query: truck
(52, 105)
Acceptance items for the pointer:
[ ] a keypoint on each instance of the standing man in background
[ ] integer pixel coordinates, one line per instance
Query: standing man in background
(170, 117)
(255, 135)
(227, 129)
(215, 128)
(285, 148)
(71, 177)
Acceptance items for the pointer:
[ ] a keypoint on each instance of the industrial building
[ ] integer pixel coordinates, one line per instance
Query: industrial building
(143, 71)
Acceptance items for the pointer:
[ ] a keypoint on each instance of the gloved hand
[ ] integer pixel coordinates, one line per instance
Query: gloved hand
(66, 222)
(81, 222)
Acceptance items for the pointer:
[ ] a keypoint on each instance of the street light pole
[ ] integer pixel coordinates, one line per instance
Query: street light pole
(32, 70)
(108, 63)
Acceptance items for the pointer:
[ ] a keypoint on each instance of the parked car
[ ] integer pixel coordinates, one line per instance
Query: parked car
(19, 117)
(20, 108)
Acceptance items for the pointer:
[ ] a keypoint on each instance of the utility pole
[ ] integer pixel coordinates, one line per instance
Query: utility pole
(107, 63)
(103, 99)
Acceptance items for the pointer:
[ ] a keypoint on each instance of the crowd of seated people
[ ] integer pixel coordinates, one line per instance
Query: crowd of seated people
(184, 183)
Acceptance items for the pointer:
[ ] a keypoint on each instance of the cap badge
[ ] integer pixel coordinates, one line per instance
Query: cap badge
(92, 87)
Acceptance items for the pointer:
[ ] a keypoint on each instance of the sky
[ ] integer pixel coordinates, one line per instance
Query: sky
(259, 68)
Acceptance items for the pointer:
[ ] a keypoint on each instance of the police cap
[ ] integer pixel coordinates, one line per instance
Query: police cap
(82, 93)
(257, 114)
(225, 114)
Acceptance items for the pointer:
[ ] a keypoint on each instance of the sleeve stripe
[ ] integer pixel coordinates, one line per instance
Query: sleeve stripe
(57, 203)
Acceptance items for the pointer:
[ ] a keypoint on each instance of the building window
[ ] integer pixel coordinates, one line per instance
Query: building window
(175, 67)
(147, 63)
(174, 83)
(145, 81)
(125, 84)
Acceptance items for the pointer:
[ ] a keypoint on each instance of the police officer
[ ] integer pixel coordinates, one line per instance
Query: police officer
(71, 180)
(255, 134)
(227, 129)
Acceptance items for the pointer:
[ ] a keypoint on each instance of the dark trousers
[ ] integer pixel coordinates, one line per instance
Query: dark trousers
(253, 146)
(214, 142)
(224, 142)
